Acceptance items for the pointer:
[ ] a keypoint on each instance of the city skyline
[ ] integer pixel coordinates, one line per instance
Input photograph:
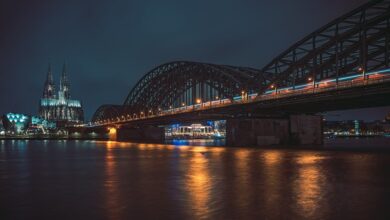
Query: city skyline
(114, 50)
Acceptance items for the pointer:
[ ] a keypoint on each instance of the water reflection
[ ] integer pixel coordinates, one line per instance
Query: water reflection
(273, 183)
(242, 182)
(111, 183)
(198, 183)
(308, 185)
(114, 180)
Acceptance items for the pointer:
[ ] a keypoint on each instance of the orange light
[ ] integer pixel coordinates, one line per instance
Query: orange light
(216, 97)
(198, 101)
(112, 133)
(310, 79)
(272, 86)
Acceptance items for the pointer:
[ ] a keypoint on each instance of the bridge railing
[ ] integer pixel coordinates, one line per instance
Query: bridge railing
(312, 88)
(324, 87)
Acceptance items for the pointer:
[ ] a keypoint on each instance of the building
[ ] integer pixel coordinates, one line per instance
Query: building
(15, 123)
(59, 107)
(21, 124)
(387, 118)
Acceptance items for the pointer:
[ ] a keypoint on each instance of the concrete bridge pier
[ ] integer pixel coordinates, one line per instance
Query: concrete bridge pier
(141, 134)
(294, 130)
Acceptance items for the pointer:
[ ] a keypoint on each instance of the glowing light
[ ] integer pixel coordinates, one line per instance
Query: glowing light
(198, 101)
(112, 133)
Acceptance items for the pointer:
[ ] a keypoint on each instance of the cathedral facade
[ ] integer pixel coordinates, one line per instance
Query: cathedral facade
(59, 107)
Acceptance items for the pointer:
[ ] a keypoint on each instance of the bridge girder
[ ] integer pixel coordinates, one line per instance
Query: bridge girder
(183, 82)
(357, 41)
(108, 112)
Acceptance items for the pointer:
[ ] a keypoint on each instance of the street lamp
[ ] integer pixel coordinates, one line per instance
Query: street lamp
(361, 70)
(274, 87)
(243, 95)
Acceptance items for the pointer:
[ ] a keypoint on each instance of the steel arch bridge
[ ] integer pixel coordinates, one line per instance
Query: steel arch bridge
(356, 42)
(182, 83)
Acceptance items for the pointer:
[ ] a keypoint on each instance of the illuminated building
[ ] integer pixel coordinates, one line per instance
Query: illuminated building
(60, 108)
(190, 131)
(15, 123)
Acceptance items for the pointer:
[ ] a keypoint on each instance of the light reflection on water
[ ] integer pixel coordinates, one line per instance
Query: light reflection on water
(117, 180)
(198, 184)
(307, 185)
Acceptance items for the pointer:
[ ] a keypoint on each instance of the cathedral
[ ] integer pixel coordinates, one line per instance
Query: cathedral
(60, 108)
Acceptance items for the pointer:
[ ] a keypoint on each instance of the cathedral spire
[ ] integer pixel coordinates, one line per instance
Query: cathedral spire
(49, 87)
(64, 82)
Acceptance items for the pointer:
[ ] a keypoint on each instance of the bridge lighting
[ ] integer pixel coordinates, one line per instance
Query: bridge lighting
(198, 101)
(360, 69)
(216, 97)
(242, 92)
(272, 86)
(170, 106)
(310, 79)
(183, 104)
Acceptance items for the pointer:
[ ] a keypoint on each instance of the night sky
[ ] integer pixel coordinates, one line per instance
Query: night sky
(110, 44)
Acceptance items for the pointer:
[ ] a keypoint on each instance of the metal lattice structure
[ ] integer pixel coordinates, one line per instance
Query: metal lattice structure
(183, 83)
(108, 112)
(357, 41)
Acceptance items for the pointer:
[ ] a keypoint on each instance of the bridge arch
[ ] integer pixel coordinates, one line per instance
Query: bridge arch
(183, 83)
(357, 41)
(108, 113)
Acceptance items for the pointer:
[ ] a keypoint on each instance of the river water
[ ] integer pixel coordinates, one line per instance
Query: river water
(112, 180)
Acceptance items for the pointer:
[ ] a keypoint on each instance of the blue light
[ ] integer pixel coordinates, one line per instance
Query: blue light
(179, 142)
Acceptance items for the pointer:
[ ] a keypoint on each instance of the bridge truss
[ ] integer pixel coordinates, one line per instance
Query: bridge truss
(356, 42)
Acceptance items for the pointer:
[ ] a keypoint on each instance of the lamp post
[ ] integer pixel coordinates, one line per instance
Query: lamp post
(311, 79)
(199, 101)
(275, 89)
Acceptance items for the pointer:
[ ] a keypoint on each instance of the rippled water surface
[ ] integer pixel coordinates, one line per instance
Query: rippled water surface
(111, 180)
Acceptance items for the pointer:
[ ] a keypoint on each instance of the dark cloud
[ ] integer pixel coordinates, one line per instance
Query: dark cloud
(109, 45)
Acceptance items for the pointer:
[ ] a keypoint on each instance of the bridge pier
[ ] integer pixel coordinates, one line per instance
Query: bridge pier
(141, 134)
(295, 130)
